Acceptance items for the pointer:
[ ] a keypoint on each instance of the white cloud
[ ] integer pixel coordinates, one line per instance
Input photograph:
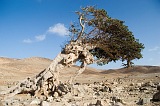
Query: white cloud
(40, 37)
(154, 49)
(58, 29)
(27, 41)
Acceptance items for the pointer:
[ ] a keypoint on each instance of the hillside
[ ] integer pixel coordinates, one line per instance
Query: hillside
(14, 70)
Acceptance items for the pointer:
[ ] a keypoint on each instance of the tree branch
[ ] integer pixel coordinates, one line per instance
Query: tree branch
(83, 27)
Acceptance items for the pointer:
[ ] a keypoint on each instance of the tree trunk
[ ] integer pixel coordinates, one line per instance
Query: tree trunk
(43, 83)
(129, 64)
(47, 81)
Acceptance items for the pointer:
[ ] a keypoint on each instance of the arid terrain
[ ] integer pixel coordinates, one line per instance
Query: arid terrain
(119, 87)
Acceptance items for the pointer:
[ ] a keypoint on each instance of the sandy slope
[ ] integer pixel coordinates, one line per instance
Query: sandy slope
(14, 70)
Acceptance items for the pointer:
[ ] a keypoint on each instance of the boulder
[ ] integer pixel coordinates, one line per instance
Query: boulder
(144, 101)
(98, 103)
(56, 95)
(156, 97)
(158, 88)
(44, 103)
(35, 102)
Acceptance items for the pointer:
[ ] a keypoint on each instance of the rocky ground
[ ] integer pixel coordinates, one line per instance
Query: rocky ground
(139, 85)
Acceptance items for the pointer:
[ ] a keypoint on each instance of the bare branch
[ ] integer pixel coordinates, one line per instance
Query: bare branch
(83, 27)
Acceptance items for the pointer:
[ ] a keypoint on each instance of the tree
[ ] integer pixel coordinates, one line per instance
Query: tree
(98, 38)
(112, 39)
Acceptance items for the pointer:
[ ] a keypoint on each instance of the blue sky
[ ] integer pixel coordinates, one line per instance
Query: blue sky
(30, 28)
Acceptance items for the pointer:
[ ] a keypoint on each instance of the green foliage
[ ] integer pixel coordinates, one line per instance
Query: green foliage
(113, 40)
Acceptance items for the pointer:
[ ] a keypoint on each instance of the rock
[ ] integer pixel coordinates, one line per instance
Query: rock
(79, 103)
(138, 84)
(82, 90)
(105, 89)
(65, 102)
(143, 88)
(86, 104)
(116, 99)
(143, 101)
(50, 99)
(63, 88)
(118, 89)
(150, 83)
(54, 103)
(75, 92)
(67, 96)
(156, 97)
(97, 94)
(158, 88)
(105, 102)
(132, 84)
(35, 102)
(56, 95)
(44, 103)
(43, 98)
(114, 83)
(118, 104)
(146, 100)
(98, 103)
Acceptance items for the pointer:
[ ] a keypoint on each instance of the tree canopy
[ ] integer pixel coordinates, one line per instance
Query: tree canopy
(111, 37)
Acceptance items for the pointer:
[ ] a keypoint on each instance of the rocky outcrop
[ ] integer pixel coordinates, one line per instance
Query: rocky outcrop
(112, 92)
(46, 85)
(156, 96)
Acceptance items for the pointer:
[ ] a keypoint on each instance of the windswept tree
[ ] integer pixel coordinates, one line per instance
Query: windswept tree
(96, 39)
(112, 39)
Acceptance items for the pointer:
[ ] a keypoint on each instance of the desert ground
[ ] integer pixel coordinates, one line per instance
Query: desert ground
(118, 87)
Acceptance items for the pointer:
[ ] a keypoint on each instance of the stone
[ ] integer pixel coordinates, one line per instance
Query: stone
(116, 99)
(114, 83)
(105, 89)
(56, 94)
(65, 102)
(143, 88)
(158, 87)
(44, 103)
(67, 96)
(118, 104)
(98, 103)
(75, 92)
(43, 97)
(50, 99)
(138, 84)
(35, 102)
(82, 91)
(86, 104)
(132, 84)
(105, 102)
(146, 100)
(118, 89)
(143, 101)
(156, 97)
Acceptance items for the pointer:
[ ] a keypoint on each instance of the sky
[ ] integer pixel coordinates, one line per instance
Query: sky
(38, 28)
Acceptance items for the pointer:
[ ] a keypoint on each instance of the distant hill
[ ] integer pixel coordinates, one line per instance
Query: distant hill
(134, 69)
(36, 64)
